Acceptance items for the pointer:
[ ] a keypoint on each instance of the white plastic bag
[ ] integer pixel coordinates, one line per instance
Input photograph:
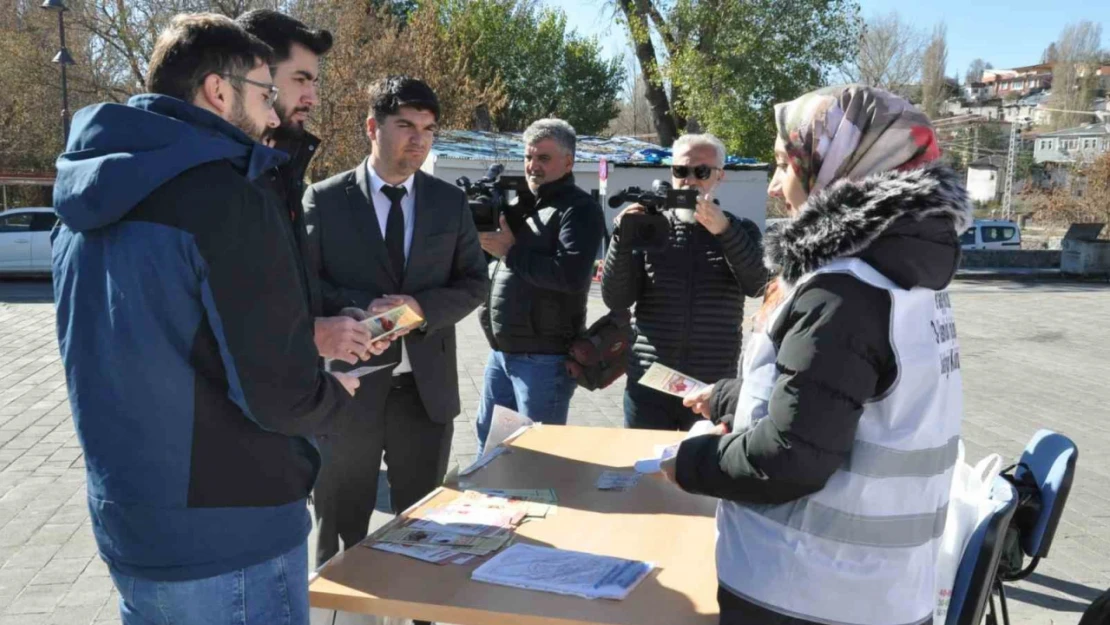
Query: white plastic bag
(968, 503)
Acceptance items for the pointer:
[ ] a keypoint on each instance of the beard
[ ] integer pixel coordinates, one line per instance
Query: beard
(242, 121)
(288, 130)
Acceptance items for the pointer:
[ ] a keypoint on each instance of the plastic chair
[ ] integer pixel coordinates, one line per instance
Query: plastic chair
(977, 578)
(1048, 464)
(1042, 481)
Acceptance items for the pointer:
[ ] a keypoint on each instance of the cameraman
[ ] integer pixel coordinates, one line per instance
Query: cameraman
(689, 297)
(540, 283)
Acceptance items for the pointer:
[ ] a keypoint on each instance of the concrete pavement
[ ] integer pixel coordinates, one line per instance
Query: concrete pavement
(1033, 356)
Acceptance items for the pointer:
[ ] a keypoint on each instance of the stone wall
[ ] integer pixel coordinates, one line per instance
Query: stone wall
(1010, 259)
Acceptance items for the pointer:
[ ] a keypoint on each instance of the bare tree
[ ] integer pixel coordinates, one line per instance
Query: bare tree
(890, 55)
(372, 43)
(640, 16)
(634, 118)
(30, 102)
(112, 41)
(934, 64)
(1074, 82)
(123, 34)
(1085, 199)
(1050, 55)
(976, 69)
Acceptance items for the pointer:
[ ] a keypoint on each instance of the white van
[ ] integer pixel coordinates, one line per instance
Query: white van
(25, 240)
(991, 235)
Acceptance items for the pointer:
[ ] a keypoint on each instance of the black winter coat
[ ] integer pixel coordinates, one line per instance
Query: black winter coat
(288, 186)
(538, 292)
(833, 339)
(689, 297)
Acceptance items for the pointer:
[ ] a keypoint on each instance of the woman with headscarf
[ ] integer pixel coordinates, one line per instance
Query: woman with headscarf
(834, 481)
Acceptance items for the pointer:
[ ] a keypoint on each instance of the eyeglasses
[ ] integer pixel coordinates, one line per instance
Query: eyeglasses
(271, 89)
(701, 172)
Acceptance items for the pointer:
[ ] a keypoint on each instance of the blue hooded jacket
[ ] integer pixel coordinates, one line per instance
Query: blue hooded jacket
(118, 154)
(193, 377)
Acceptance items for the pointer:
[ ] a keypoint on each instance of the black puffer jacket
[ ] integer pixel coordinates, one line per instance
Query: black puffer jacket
(287, 184)
(833, 339)
(689, 297)
(537, 299)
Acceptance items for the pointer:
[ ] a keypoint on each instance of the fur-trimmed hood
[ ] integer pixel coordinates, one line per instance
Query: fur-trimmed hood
(904, 223)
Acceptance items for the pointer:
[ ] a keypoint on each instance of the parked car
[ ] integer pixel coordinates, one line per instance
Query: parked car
(991, 235)
(25, 240)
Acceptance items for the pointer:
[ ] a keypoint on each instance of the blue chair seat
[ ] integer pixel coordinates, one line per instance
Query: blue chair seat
(1048, 462)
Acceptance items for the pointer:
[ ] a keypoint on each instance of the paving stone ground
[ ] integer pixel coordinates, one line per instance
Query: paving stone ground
(1033, 355)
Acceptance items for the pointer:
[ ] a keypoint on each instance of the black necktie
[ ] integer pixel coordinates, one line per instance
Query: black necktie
(395, 229)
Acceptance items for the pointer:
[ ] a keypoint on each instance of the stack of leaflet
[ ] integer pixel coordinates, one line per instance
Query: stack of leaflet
(474, 524)
(563, 572)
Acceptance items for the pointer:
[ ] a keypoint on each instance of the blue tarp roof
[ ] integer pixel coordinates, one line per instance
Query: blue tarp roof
(500, 146)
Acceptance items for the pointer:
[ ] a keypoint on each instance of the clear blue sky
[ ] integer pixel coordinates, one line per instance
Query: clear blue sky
(1004, 33)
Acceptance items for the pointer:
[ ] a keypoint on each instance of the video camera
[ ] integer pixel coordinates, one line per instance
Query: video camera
(489, 197)
(651, 231)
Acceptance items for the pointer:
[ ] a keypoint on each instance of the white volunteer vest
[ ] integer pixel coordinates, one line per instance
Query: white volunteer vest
(861, 551)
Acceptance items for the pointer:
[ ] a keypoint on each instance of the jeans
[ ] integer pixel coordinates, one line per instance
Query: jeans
(274, 592)
(648, 409)
(535, 385)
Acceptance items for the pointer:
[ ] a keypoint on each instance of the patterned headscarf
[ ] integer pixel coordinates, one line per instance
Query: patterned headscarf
(851, 132)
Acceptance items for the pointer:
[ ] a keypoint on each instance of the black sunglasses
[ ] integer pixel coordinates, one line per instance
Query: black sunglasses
(701, 172)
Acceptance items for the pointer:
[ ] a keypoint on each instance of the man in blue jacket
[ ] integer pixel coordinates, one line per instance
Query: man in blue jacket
(188, 349)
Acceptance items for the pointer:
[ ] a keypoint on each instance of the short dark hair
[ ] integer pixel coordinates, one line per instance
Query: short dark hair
(389, 94)
(195, 45)
(280, 32)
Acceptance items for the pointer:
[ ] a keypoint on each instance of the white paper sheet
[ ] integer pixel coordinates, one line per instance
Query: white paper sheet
(652, 465)
(361, 371)
(563, 572)
(505, 424)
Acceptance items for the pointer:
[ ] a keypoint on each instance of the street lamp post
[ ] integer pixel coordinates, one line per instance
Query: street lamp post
(63, 59)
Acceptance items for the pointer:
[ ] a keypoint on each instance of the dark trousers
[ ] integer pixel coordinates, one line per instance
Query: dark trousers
(648, 409)
(737, 611)
(416, 452)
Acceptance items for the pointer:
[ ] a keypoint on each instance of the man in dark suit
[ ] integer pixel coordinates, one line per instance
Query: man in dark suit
(383, 234)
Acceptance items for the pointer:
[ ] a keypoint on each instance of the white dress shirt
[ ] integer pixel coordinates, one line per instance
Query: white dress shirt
(382, 205)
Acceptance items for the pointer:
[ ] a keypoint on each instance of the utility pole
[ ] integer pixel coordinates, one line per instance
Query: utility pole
(1011, 160)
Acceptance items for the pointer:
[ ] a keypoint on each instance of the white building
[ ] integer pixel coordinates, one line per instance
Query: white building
(984, 180)
(976, 92)
(1073, 144)
(988, 109)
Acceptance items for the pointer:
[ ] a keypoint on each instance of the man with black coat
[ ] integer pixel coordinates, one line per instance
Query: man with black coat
(541, 276)
(296, 70)
(688, 297)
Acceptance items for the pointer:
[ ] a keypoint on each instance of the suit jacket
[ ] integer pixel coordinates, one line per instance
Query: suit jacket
(445, 272)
